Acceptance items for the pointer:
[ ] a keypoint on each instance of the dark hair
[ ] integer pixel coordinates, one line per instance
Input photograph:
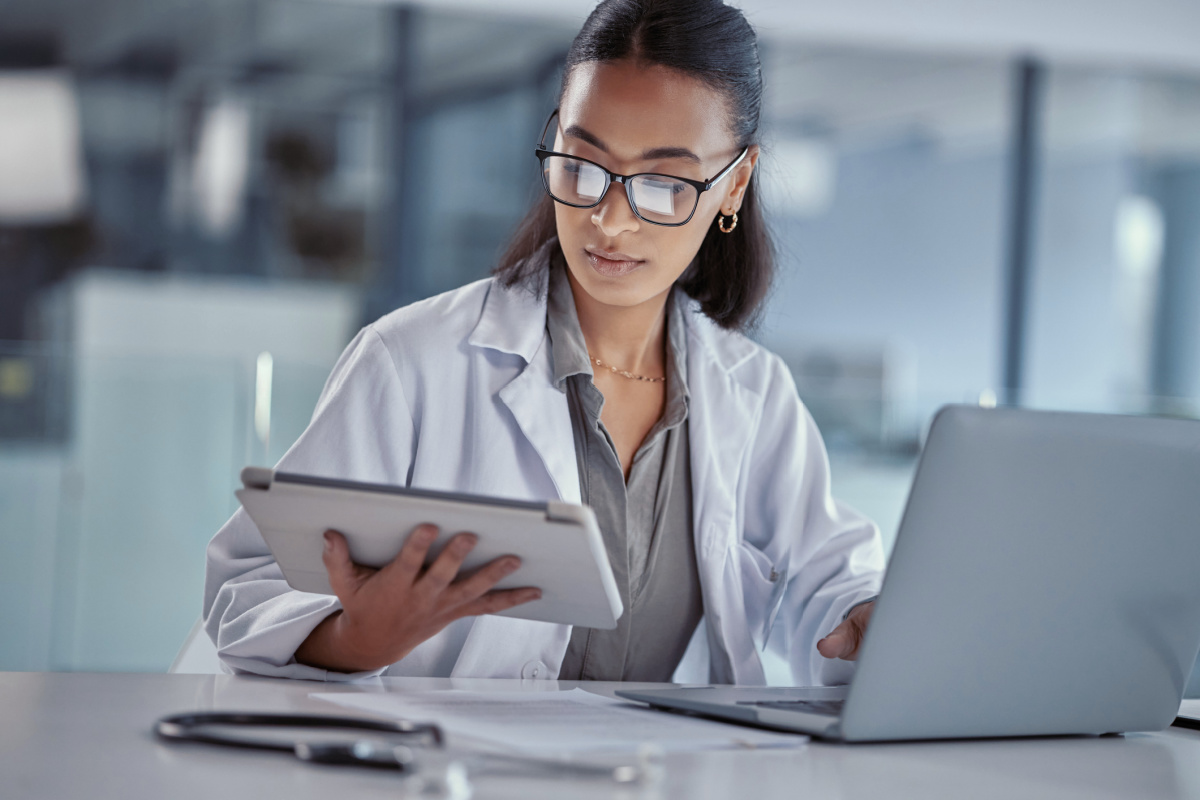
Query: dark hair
(711, 41)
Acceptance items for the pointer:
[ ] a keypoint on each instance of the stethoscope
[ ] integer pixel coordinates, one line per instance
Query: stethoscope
(214, 728)
(388, 745)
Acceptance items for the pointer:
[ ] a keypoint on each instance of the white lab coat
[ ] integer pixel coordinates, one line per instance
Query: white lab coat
(455, 393)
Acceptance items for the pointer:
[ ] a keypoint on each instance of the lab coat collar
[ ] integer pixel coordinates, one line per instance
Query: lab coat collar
(514, 317)
(722, 349)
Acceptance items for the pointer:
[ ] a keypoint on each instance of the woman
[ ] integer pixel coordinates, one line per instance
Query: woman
(602, 364)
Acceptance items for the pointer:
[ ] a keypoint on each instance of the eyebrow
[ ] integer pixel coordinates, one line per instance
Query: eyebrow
(652, 154)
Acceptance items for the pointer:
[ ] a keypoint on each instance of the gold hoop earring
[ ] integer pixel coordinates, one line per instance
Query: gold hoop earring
(721, 223)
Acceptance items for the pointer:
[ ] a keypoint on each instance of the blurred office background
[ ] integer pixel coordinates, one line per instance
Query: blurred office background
(202, 200)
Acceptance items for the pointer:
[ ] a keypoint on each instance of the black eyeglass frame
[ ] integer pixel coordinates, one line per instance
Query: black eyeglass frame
(542, 153)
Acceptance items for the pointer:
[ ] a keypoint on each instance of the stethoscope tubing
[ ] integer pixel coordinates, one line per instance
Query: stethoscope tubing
(196, 727)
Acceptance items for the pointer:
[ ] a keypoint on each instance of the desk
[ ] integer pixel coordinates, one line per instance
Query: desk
(68, 735)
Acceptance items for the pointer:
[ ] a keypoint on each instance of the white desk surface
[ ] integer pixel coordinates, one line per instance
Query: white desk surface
(68, 735)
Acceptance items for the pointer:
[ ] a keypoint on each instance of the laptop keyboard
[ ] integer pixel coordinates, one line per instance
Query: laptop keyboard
(829, 708)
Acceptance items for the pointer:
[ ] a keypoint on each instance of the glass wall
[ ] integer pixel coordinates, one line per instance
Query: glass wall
(122, 450)
(228, 190)
(1113, 321)
(886, 174)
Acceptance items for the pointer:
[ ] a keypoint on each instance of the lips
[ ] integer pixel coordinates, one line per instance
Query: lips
(611, 264)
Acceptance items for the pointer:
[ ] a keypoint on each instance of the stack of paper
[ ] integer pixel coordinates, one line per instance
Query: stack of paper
(558, 722)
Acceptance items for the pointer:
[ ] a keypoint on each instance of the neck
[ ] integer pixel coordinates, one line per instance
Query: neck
(632, 338)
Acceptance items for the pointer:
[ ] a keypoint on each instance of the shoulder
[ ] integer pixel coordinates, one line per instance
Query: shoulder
(432, 333)
(430, 336)
(744, 361)
(445, 317)
(407, 342)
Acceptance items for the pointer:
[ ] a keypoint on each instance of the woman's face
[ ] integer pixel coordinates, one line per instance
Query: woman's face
(632, 118)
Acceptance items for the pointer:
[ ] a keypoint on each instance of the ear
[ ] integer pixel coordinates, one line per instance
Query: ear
(739, 180)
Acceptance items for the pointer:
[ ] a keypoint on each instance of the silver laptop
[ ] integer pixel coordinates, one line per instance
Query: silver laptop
(1045, 580)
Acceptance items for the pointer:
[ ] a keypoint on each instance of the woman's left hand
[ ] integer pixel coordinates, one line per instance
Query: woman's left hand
(846, 638)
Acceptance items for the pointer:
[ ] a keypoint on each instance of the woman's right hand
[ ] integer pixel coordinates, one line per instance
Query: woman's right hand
(387, 612)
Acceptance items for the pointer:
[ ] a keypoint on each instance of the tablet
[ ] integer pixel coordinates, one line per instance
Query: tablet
(559, 543)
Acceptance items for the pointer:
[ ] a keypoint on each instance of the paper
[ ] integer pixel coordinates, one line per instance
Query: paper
(559, 722)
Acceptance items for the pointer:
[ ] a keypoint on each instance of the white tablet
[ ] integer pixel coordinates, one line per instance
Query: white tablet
(559, 543)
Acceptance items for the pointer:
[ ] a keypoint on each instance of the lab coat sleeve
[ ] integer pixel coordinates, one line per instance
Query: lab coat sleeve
(362, 429)
(823, 556)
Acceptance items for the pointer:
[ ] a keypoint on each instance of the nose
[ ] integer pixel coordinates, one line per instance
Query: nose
(615, 215)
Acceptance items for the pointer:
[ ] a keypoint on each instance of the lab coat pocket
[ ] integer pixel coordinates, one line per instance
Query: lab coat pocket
(763, 585)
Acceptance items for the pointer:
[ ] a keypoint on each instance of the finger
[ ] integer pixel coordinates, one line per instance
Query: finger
(345, 577)
(841, 643)
(858, 620)
(482, 581)
(444, 568)
(832, 645)
(495, 602)
(411, 559)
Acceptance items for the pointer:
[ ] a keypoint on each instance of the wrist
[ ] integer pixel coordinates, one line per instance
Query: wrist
(857, 606)
(353, 649)
(336, 645)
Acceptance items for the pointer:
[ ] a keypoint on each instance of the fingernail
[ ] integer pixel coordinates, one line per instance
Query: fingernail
(427, 533)
(466, 541)
(328, 541)
(511, 564)
(533, 594)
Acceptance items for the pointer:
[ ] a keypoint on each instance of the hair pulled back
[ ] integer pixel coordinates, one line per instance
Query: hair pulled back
(712, 42)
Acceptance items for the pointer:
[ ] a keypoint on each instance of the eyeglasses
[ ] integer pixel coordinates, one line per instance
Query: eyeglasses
(657, 199)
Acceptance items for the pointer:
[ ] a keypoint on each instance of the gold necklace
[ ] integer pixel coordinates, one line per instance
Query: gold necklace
(623, 372)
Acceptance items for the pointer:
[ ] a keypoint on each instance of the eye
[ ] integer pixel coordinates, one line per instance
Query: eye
(666, 183)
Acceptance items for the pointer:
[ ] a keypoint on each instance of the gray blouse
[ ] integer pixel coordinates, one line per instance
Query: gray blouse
(646, 523)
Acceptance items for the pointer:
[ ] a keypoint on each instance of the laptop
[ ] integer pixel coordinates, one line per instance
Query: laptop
(1044, 581)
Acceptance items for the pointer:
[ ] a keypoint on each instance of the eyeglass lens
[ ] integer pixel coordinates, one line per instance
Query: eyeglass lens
(656, 198)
